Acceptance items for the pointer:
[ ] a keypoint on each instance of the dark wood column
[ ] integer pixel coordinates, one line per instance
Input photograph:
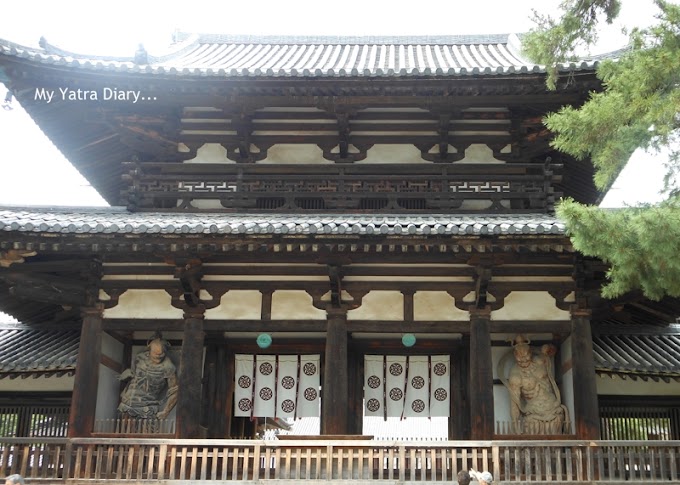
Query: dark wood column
(334, 402)
(189, 393)
(587, 420)
(84, 400)
(481, 375)
(459, 422)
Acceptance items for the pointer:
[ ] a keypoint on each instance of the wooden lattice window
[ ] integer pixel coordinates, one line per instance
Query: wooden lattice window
(34, 415)
(644, 418)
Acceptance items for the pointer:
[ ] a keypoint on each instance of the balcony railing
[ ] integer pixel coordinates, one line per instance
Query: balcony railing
(85, 460)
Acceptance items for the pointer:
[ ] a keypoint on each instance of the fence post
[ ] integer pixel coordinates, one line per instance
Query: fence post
(68, 454)
(496, 459)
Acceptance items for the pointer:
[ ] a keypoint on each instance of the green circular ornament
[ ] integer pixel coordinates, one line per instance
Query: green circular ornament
(264, 340)
(408, 339)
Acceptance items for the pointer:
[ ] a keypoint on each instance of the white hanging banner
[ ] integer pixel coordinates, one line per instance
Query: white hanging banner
(440, 388)
(243, 391)
(374, 387)
(308, 403)
(414, 386)
(265, 386)
(417, 401)
(395, 384)
(285, 386)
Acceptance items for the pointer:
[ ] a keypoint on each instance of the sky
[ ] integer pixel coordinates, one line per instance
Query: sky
(35, 173)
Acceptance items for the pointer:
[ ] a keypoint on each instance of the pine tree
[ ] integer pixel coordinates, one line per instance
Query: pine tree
(639, 107)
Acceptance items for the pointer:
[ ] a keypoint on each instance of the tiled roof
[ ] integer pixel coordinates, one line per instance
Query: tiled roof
(635, 351)
(117, 220)
(38, 351)
(282, 56)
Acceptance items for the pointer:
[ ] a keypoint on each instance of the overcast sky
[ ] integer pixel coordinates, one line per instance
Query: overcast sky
(35, 173)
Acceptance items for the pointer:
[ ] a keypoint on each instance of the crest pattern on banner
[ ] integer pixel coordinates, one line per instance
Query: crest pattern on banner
(281, 386)
(407, 386)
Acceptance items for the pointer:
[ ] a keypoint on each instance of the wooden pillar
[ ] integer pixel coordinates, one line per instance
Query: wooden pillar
(459, 422)
(334, 402)
(481, 375)
(190, 379)
(587, 420)
(84, 400)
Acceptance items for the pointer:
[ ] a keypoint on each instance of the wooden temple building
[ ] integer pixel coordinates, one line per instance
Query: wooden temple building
(330, 228)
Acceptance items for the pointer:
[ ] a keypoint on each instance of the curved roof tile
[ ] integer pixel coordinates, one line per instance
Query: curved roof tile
(119, 220)
(321, 56)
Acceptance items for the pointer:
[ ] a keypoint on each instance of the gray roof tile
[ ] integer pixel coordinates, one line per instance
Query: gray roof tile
(288, 56)
(37, 351)
(637, 350)
(118, 220)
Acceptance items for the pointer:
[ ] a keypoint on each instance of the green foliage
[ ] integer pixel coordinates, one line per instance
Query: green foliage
(639, 107)
(641, 244)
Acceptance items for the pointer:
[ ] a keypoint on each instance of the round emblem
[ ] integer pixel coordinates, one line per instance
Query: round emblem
(373, 405)
(287, 406)
(417, 382)
(418, 406)
(266, 368)
(373, 382)
(288, 382)
(440, 369)
(244, 382)
(266, 393)
(396, 394)
(310, 394)
(396, 369)
(309, 369)
(244, 404)
(440, 394)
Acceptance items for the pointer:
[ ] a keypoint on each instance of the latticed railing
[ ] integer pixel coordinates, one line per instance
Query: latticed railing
(386, 187)
(87, 460)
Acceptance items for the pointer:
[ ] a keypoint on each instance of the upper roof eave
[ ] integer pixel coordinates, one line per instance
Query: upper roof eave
(212, 55)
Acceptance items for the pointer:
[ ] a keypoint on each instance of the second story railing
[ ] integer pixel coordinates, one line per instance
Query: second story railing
(463, 187)
(54, 460)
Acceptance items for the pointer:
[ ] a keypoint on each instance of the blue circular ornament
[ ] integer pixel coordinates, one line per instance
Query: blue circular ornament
(264, 340)
(408, 339)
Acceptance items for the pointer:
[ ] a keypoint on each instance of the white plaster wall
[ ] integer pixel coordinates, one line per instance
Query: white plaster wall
(238, 305)
(393, 154)
(108, 387)
(144, 304)
(501, 405)
(294, 304)
(379, 305)
(617, 386)
(211, 153)
(567, 379)
(530, 305)
(294, 154)
(479, 153)
(107, 394)
(501, 396)
(42, 384)
(437, 305)
(112, 348)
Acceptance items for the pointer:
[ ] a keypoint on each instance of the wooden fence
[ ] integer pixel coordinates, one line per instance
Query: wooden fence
(84, 460)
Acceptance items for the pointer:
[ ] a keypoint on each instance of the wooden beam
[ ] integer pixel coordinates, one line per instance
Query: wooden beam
(585, 387)
(213, 326)
(481, 375)
(190, 376)
(84, 401)
(335, 407)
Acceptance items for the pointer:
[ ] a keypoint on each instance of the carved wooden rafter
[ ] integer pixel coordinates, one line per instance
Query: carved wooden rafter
(336, 300)
(443, 155)
(187, 296)
(241, 152)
